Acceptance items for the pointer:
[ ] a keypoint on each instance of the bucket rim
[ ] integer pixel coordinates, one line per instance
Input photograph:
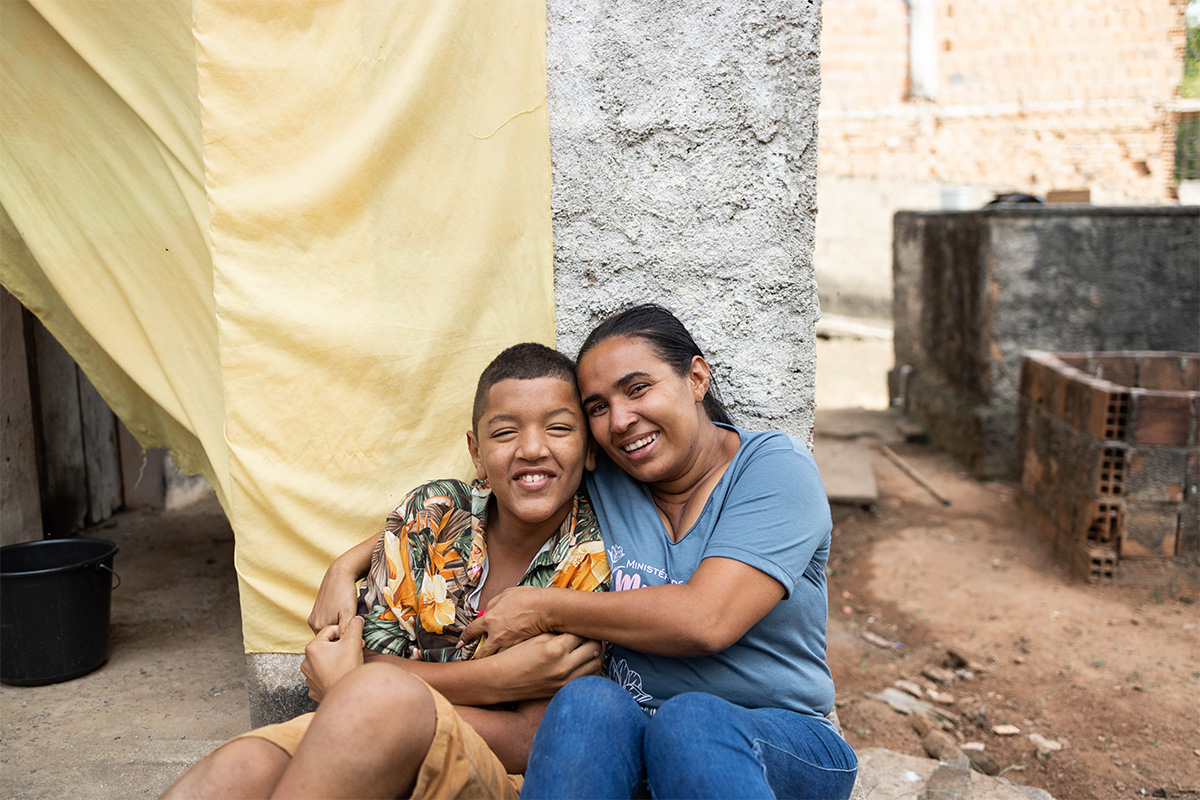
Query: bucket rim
(112, 549)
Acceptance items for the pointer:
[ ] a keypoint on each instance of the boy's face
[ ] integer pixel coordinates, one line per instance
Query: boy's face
(531, 446)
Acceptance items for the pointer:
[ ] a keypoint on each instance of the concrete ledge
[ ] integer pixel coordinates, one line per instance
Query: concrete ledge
(277, 689)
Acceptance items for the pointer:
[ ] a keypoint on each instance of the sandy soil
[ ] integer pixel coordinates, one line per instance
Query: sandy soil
(1112, 673)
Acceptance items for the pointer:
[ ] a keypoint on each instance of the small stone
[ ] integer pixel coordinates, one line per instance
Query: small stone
(847, 610)
(965, 674)
(1019, 660)
(1006, 730)
(875, 639)
(1045, 747)
(910, 687)
(972, 746)
(938, 674)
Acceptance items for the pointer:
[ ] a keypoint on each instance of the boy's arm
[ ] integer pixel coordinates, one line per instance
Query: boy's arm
(509, 734)
(337, 599)
(535, 668)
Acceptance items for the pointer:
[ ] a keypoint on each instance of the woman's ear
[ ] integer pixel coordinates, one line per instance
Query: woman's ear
(473, 448)
(699, 376)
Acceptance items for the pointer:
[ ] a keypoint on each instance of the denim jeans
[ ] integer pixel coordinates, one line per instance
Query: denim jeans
(596, 742)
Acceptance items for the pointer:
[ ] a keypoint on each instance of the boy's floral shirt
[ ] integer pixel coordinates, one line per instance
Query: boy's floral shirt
(430, 558)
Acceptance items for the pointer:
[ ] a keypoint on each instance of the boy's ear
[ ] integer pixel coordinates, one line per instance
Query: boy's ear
(589, 455)
(473, 448)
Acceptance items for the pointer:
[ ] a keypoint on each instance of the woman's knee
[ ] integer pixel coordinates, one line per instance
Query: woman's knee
(689, 722)
(593, 699)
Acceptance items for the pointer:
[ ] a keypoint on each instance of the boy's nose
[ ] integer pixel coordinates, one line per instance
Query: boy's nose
(531, 446)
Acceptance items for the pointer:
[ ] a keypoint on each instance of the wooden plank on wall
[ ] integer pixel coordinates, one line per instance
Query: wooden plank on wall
(101, 456)
(64, 489)
(20, 506)
(142, 472)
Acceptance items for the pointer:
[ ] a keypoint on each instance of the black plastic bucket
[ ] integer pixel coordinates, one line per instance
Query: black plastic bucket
(55, 605)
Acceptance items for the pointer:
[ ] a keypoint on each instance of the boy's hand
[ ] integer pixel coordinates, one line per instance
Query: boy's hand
(327, 658)
(539, 667)
(512, 616)
(337, 601)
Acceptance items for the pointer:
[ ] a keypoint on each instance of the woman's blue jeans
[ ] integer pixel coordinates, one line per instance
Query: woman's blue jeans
(596, 742)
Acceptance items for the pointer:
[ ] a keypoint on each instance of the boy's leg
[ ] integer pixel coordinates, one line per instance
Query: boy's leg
(243, 768)
(369, 738)
(589, 744)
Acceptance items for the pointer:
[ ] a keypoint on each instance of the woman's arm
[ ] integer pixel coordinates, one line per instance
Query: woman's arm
(337, 599)
(723, 599)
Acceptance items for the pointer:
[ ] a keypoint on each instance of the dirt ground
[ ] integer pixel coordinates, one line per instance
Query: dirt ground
(1111, 673)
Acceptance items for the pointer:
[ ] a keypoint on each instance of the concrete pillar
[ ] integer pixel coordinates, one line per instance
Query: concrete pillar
(683, 143)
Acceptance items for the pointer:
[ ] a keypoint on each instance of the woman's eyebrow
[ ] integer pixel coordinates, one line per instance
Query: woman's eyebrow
(618, 383)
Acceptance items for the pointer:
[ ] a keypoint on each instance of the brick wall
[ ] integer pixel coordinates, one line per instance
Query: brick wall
(1110, 460)
(1031, 95)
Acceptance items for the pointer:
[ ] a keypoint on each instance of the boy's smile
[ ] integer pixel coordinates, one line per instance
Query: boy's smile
(531, 445)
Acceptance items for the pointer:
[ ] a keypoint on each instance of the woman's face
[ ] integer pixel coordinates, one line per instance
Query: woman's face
(641, 412)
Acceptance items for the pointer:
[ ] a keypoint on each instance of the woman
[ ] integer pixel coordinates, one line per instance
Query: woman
(719, 686)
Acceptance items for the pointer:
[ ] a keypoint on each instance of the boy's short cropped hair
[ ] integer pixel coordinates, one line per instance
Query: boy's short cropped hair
(524, 362)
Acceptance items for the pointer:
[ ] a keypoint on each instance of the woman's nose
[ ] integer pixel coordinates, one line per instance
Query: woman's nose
(622, 417)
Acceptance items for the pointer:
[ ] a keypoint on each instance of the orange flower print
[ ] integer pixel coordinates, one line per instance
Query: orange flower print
(437, 610)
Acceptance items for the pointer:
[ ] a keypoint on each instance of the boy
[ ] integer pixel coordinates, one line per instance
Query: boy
(388, 727)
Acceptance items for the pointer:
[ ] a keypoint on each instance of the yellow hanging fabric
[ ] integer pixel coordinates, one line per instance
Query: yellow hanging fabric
(352, 204)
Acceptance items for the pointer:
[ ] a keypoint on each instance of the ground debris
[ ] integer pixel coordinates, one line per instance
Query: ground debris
(878, 640)
(938, 674)
(907, 704)
(910, 687)
(1006, 730)
(1045, 747)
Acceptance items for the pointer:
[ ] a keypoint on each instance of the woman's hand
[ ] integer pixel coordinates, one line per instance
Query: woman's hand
(512, 616)
(540, 666)
(328, 658)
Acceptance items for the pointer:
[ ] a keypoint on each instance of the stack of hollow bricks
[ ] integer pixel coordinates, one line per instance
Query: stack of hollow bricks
(1109, 452)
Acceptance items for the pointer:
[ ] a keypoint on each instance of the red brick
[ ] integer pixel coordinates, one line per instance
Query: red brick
(1163, 373)
(1163, 418)
(1118, 369)
(1191, 373)
(1095, 564)
(1100, 522)
(1150, 530)
(1077, 360)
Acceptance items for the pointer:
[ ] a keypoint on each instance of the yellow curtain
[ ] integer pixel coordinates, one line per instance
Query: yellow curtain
(283, 237)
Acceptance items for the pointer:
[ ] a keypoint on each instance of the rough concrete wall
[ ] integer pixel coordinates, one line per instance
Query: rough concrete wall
(974, 290)
(1091, 279)
(683, 148)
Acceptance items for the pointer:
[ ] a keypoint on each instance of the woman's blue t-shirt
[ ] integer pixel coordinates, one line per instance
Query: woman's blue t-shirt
(768, 510)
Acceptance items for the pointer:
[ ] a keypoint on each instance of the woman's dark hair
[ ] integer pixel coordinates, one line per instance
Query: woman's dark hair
(670, 340)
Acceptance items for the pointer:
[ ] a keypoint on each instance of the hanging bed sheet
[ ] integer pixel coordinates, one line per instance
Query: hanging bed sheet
(282, 238)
